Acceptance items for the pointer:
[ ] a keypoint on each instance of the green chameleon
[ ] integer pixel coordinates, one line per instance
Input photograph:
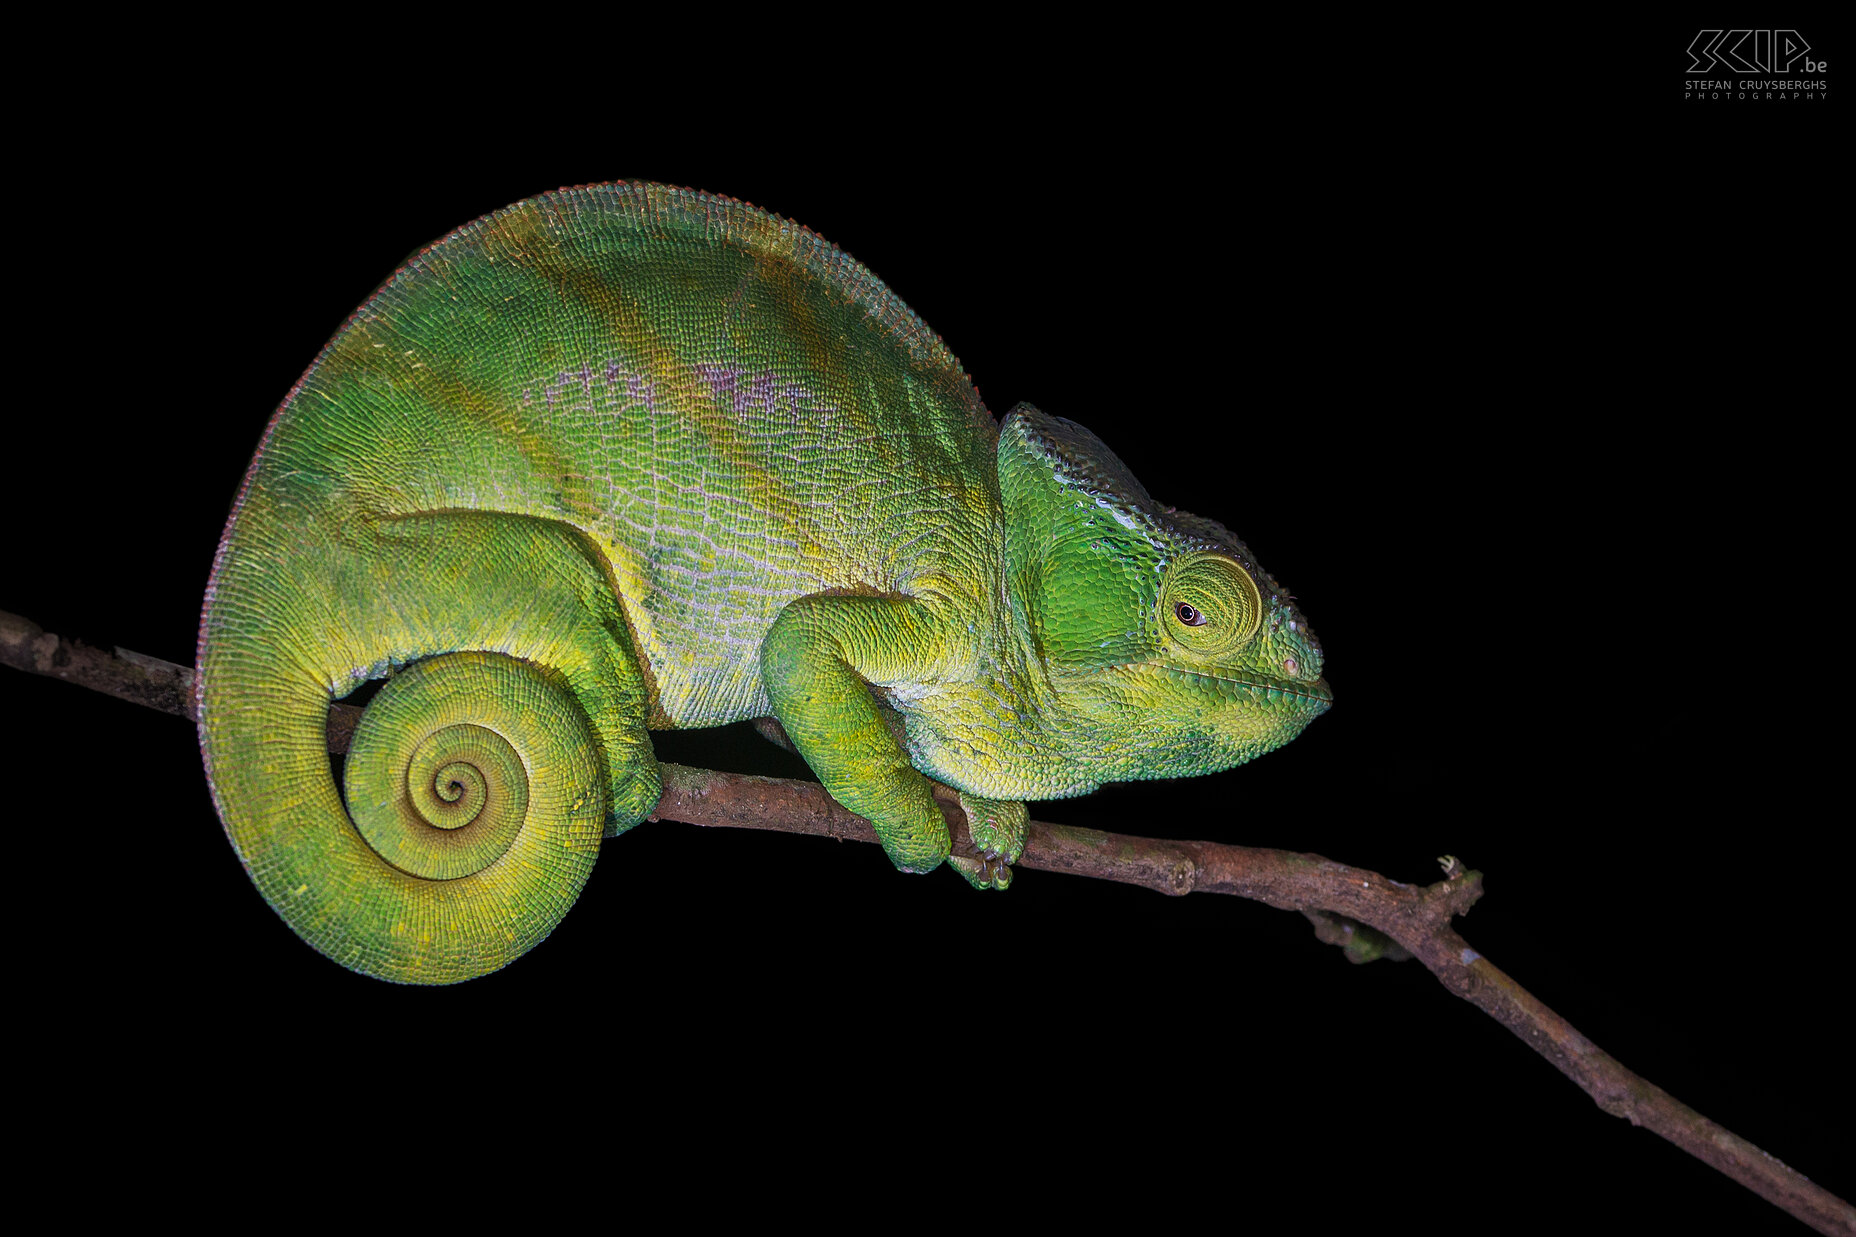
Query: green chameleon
(623, 458)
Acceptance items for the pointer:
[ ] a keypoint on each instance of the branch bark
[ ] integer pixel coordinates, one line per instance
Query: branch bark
(1364, 913)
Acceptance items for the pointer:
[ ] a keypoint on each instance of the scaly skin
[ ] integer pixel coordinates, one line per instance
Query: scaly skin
(627, 457)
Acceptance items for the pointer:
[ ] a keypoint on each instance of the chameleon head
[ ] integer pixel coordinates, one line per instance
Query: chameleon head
(1168, 650)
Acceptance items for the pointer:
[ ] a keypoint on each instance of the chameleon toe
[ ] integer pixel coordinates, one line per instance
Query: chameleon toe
(982, 873)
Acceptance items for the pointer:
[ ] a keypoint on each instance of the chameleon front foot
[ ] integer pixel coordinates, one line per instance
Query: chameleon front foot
(982, 873)
(998, 827)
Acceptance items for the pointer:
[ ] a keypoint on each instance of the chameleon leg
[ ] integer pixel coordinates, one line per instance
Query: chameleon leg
(818, 661)
(483, 776)
(998, 826)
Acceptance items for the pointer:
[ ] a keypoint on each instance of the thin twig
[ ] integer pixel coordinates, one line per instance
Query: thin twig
(1366, 914)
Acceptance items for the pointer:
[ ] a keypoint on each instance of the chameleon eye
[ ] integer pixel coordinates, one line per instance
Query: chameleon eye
(1214, 604)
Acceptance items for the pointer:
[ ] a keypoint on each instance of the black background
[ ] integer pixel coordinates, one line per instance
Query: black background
(1531, 417)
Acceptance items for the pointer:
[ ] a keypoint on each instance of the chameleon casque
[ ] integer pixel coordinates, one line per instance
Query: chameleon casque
(625, 457)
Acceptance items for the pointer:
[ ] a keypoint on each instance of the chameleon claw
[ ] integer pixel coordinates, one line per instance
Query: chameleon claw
(981, 873)
(969, 868)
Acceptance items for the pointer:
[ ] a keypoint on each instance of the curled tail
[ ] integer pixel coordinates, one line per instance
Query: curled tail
(482, 776)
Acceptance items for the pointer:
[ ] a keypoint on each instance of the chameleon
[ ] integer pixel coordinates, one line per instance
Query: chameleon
(626, 457)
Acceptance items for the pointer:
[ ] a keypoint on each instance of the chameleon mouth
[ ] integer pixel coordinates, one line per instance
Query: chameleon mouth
(1257, 687)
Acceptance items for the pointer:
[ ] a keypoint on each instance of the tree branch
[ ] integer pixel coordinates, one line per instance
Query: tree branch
(1362, 912)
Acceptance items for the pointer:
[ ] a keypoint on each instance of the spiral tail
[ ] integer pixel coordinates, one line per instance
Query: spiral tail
(482, 776)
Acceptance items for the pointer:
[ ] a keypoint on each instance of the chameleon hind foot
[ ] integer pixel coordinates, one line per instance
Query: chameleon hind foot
(635, 797)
